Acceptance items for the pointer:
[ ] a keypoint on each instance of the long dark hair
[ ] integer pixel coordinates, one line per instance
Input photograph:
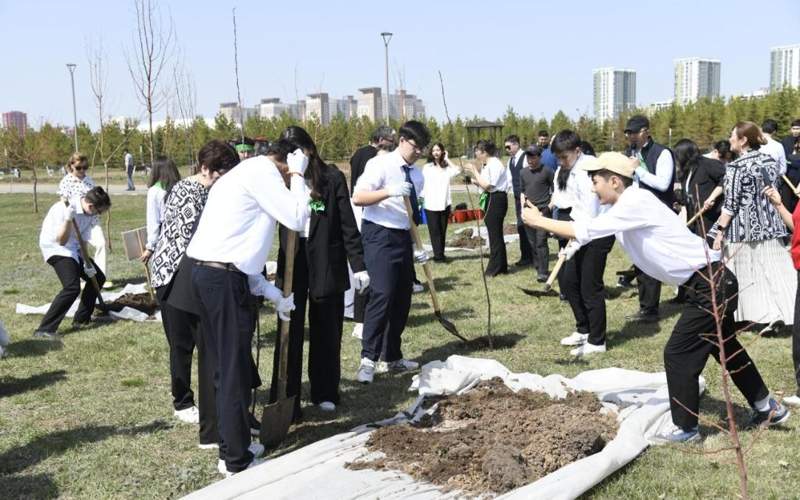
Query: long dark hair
(165, 172)
(687, 155)
(442, 162)
(314, 173)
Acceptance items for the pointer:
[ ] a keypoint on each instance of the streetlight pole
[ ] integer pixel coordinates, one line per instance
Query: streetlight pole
(386, 37)
(71, 67)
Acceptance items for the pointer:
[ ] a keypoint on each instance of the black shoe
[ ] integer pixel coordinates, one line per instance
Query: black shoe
(39, 334)
(777, 414)
(642, 317)
(523, 262)
(255, 426)
(562, 296)
(542, 279)
(623, 282)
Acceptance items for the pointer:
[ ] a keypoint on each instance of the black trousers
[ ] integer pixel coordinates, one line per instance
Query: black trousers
(437, 227)
(325, 319)
(649, 292)
(582, 283)
(526, 251)
(183, 332)
(796, 337)
(537, 241)
(686, 351)
(228, 318)
(389, 259)
(495, 214)
(70, 273)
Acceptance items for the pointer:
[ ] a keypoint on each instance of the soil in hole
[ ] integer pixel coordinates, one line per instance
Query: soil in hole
(138, 301)
(492, 440)
(462, 240)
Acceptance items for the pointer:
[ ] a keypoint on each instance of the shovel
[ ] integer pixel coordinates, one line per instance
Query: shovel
(437, 310)
(277, 416)
(548, 285)
(85, 255)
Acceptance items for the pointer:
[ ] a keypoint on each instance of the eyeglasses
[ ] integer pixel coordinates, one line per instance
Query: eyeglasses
(508, 147)
(413, 145)
(79, 167)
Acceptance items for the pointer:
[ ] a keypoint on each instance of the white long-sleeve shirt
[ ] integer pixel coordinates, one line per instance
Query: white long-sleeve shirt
(654, 237)
(776, 151)
(382, 171)
(661, 179)
(579, 193)
(436, 189)
(238, 220)
(497, 175)
(155, 214)
(53, 222)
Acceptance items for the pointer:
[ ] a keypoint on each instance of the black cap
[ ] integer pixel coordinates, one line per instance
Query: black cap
(637, 123)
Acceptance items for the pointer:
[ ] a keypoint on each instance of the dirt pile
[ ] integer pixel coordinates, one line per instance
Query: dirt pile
(492, 440)
(139, 301)
(465, 240)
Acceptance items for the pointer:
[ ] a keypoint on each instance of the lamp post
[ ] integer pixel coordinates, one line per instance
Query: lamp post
(386, 37)
(71, 67)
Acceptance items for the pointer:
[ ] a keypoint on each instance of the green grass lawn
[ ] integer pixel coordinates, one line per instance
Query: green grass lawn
(92, 417)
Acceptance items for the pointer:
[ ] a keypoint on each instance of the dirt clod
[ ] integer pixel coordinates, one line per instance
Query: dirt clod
(139, 301)
(462, 240)
(492, 440)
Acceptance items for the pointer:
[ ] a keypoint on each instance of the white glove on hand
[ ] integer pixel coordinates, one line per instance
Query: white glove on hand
(69, 215)
(285, 306)
(90, 271)
(360, 281)
(297, 161)
(421, 256)
(260, 287)
(402, 189)
(570, 250)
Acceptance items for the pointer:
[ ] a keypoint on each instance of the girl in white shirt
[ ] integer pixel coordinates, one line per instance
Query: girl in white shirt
(436, 192)
(495, 180)
(163, 177)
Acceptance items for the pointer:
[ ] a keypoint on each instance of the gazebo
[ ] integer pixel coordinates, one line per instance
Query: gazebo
(482, 130)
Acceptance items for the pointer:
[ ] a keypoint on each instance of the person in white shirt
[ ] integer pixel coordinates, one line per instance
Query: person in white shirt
(494, 179)
(581, 279)
(129, 169)
(163, 177)
(437, 174)
(659, 243)
(61, 249)
(388, 255)
(231, 245)
(772, 147)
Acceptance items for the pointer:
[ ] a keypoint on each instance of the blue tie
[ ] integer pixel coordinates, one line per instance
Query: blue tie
(412, 196)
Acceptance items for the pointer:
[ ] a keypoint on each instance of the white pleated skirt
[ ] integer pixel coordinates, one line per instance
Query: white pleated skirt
(767, 280)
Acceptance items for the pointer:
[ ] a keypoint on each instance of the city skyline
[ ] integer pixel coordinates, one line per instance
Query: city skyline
(483, 76)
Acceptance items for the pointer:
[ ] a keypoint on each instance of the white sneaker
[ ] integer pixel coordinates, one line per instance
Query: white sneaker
(417, 288)
(327, 406)
(358, 331)
(402, 365)
(188, 415)
(576, 338)
(381, 367)
(225, 472)
(366, 372)
(257, 449)
(792, 400)
(208, 446)
(587, 349)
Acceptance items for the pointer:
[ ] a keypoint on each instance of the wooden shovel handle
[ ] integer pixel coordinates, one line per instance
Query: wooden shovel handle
(789, 183)
(85, 255)
(418, 243)
(288, 278)
(554, 273)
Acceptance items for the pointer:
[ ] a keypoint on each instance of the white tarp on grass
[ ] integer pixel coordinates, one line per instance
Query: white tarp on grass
(126, 312)
(318, 471)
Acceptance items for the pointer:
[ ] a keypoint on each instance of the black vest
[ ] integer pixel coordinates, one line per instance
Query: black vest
(515, 168)
(651, 152)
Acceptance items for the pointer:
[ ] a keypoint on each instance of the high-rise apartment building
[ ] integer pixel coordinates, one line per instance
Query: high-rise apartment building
(17, 120)
(696, 78)
(318, 106)
(370, 103)
(614, 92)
(784, 67)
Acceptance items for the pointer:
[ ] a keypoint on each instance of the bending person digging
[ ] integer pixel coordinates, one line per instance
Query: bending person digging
(661, 245)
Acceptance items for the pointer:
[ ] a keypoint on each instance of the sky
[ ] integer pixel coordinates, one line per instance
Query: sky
(536, 56)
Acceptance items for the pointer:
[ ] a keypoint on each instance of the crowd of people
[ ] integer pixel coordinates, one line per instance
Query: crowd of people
(209, 236)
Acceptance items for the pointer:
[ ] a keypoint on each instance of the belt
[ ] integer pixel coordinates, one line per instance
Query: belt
(225, 266)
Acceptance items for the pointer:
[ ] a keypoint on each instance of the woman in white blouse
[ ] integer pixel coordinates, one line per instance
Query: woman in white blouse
(163, 177)
(436, 193)
(495, 180)
(76, 184)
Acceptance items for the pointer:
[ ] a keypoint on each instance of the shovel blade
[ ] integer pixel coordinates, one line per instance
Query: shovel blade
(275, 422)
(547, 292)
(450, 327)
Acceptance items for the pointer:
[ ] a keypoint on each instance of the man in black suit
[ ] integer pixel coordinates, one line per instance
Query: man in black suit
(791, 146)
(516, 162)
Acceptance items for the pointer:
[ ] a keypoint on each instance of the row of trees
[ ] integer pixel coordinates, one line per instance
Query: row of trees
(704, 121)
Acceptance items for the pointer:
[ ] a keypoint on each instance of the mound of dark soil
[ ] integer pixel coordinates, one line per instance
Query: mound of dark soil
(139, 301)
(492, 440)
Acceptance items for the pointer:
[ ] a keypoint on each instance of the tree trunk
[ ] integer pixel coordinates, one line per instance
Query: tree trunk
(35, 193)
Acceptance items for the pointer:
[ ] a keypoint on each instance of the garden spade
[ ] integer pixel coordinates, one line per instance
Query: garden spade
(548, 285)
(277, 416)
(437, 310)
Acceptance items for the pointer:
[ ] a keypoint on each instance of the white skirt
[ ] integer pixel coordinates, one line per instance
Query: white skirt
(767, 281)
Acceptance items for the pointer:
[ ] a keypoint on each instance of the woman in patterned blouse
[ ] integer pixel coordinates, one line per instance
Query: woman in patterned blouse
(182, 208)
(74, 185)
(754, 231)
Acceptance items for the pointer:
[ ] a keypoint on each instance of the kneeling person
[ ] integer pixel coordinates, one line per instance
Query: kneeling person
(661, 245)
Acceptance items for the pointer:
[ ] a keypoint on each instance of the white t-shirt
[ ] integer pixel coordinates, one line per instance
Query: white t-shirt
(497, 175)
(380, 172)
(53, 222)
(776, 151)
(155, 214)
(437, 186)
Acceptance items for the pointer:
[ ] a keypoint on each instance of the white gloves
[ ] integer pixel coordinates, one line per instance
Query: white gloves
(421, 256)
(297, 161)
(401, 189)
(259, 285)
(360, 281)
(569, 250)
(69, 215)
(90, 271)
